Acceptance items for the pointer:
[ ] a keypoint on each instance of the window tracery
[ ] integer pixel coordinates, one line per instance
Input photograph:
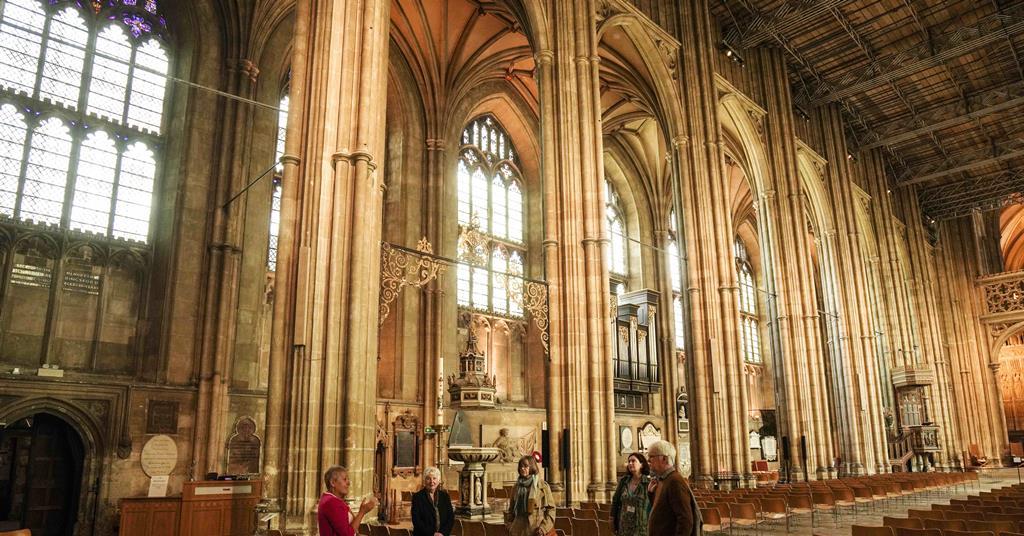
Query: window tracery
(674, 267)
(490, 213)
(82, 89)
(750, 336)
(81, 109)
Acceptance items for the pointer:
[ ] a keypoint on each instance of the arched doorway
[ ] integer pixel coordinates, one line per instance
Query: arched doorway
(41, 463)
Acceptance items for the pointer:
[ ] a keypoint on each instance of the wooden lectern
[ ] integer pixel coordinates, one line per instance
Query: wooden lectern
(206, 508)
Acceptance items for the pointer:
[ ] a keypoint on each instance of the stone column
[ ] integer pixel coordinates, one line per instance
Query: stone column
(713, 346)
(800, 330)
(576, 239)
(924, 287)
(329, 259)
(220, 313)
(871, 449)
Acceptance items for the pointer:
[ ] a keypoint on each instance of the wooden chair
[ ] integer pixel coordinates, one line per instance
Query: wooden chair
(774, 508)
(742, 515)
(379, 530)
(563, 524)
(493, 529)
(712, 520)
(944, 524)
(586, 513)
(997, 527)
(584, 526)
(860, 530)
(395, 531)
(473, 528)
(604, 528)
(903, 522)
(968, 533)
(975, 456)
(19, 532)
(963, 516)
(926, 514)
(918, 532)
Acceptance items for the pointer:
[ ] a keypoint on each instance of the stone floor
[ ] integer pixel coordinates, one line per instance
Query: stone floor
(867, 515)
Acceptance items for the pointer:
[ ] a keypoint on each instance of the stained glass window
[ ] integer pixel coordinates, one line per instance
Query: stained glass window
(92, 170)
(489, 204)
(746, 297)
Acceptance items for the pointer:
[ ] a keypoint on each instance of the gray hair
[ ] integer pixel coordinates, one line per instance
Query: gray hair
(332, 472)
(431, 471)
(663, 448)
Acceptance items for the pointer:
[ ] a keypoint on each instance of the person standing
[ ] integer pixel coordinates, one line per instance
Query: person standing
(333, 516)
(674, 511)
(531, 509)
(631, 504)
(432, 513)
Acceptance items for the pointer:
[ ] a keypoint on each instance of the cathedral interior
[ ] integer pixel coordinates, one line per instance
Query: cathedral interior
(259, 238)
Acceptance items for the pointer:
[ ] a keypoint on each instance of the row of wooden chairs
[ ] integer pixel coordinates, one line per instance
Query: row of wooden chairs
(997, 514)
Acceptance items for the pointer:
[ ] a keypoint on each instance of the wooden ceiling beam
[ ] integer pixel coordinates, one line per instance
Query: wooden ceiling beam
(791, 14)
(959, 199)
(1000, 152)
(949, 115)
(987, 31)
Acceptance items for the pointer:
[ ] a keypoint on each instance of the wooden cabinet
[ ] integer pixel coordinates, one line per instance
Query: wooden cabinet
(149, 516)
(219, 508)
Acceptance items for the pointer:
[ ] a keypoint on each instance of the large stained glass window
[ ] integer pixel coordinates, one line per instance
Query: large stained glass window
(750, 337)
(490, 212)
(82, 89)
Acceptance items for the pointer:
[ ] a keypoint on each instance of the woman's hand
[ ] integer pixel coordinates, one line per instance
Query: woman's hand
(539, 532)
(652, 485)
(368, 504)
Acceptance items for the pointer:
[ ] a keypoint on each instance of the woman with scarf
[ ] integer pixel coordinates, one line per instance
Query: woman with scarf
(531, 509)
(432, 513)
(631, 504)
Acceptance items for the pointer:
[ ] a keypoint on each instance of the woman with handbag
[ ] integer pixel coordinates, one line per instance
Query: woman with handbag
(531, 509)
(631, 504)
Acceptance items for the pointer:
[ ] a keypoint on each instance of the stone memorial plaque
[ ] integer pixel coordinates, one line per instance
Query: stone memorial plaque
(162, 417)
(159, 456)
(244, 448)
(514, 442)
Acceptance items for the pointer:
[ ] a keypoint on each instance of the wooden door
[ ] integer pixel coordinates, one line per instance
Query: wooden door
(50, 483)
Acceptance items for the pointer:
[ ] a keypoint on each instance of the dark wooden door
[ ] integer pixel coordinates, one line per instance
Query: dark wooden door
(49, 482)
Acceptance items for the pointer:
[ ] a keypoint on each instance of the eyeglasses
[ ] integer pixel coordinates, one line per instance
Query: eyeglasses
(658, 456)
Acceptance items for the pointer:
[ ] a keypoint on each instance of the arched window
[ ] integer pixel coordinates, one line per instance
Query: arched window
(81, 113)
(674, 267)
(617, 253)
(490, 212)
(747, 300)
(275, 199)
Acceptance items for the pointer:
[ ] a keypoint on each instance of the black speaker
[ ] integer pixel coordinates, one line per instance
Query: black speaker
(566, 464)
(803, 455)
(785, 463)
(545, 447)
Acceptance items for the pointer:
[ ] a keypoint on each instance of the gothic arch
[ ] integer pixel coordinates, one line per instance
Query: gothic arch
(96, 455)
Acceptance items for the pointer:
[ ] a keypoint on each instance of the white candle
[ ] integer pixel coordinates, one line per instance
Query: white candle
(440, 390)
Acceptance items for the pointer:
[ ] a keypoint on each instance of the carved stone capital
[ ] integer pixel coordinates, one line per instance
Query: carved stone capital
(352, 158)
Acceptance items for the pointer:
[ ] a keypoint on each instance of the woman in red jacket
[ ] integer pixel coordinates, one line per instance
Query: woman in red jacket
(333, 516)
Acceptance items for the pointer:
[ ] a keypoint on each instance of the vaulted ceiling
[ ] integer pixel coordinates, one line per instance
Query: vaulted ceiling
(939, 84)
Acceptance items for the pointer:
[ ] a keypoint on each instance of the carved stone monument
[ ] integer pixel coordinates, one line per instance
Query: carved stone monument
(473, 475)
(472, 388)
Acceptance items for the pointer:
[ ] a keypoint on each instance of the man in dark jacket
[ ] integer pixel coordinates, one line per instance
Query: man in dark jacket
(674, 511)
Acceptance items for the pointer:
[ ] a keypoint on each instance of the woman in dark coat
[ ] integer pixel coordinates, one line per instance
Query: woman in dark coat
(432, 513)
